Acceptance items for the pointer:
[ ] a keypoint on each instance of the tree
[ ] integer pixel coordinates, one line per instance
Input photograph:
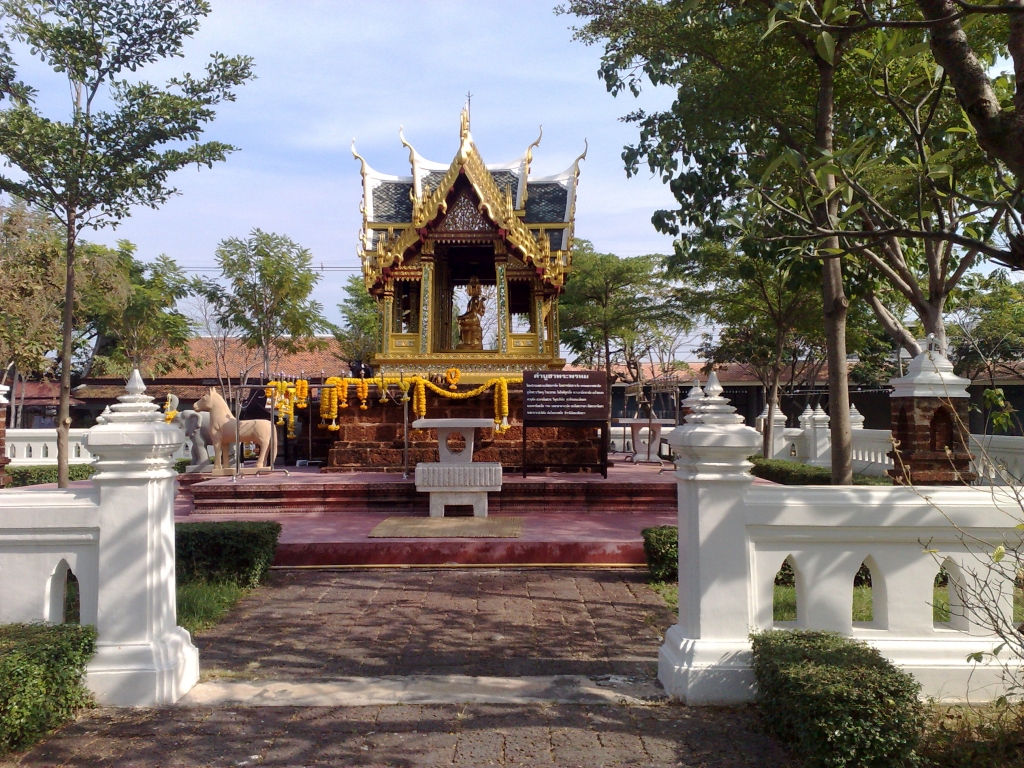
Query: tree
(31, 290)
(609, 303)
(269, 280)
(767, 311)
(357, 335)
(141, 325)
(751, 143)
(737, 95)
(89, 170)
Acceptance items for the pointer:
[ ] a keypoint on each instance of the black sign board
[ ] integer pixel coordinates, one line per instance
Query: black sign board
(577, 399)
(564, 396)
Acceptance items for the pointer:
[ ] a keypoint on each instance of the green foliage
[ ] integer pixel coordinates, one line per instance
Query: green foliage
(661, 547)
(140, 325)
(42, 676)
(46, 473)
(789, 472)
(32, 289)
(240, 552)
(180, 465)
(986, 335)
(270, 278)
(612, 306)
(357, 335)
(122, 138)
(836, 700)
(795, 473)
(974, 736)
(202, 604)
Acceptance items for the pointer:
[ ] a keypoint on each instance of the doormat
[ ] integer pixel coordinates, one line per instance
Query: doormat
(448, 528)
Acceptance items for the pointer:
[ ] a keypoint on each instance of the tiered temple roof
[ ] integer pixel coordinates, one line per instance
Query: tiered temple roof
(534, 215)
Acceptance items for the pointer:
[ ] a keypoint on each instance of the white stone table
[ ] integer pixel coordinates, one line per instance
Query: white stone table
(457, 479)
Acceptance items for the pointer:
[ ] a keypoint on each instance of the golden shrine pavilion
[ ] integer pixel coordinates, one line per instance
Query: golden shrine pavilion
(466, 262)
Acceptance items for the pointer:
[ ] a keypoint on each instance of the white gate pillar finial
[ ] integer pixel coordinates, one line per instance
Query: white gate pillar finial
(713, 477)
(142, 657)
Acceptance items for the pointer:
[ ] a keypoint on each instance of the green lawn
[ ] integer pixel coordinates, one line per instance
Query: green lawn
(785, 602)
(201, 604)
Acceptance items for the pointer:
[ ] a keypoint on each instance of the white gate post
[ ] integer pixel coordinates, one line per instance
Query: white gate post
(706, 656)
(142, 657)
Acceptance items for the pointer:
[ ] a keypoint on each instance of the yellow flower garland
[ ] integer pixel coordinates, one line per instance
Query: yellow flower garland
(334, 398)
(301, 393)
(362, 392)
(453, 375)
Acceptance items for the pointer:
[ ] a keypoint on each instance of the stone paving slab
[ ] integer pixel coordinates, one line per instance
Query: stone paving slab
(427, 689)
(315, 628)
(416, 735)
(479, 622)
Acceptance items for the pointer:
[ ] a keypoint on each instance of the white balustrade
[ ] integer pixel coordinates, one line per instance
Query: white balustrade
(116, 535)
(734, 536)
(35, 447)
(870, 447)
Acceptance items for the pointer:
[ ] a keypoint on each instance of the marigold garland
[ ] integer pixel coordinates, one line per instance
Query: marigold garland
(331, 399)
(301, 393)
(362, 392)
(453, 375)
(329, 402)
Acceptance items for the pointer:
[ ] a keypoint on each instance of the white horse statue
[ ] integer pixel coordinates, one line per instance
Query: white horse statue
(223, 431)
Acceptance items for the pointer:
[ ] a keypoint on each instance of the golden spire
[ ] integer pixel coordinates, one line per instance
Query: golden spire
(416, 189)
(524, 191)
(357, 156)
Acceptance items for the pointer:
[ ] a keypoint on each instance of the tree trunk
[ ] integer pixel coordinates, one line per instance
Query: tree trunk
(833, 297)
(773, 395)
(64, 410)
(893, 327)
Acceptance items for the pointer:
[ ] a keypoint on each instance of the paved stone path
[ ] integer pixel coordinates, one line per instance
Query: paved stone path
(317, 627)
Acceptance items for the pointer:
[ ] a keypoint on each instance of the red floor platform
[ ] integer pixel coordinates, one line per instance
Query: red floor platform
(568, 519)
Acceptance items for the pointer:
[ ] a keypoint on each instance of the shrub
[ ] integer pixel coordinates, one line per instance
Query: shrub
(225, 551)
(794, 473)
(661, 547)
(790, 472)
(181, 465)
(838, 701)
(42, 671)
(38, 475)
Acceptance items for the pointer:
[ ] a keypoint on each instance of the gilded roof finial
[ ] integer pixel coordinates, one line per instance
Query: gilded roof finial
(576, 165)
(416, 188)
(523, 188)
(464, 123)
(357, 156)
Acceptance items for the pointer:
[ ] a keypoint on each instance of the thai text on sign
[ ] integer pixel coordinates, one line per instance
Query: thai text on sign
(565, 396)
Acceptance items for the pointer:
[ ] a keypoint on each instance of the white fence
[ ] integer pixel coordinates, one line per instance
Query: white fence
(998, 459)
(734, 537)
(32, 447)
(117, 538)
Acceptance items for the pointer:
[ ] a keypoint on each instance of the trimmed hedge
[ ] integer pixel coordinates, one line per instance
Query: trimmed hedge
(47, 473)
(42, 672)
(241, 552)
(181, 465)
(790, 472)
(836, 700)
(794, 473)
(661, 547)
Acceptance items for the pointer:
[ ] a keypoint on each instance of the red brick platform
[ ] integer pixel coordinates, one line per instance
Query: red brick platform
(326, 518)
(373, 440)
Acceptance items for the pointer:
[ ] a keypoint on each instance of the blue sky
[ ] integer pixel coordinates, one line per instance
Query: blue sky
(331, 71)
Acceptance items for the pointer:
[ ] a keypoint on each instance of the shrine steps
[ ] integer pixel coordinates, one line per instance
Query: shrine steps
(626, 490)
(326, 518)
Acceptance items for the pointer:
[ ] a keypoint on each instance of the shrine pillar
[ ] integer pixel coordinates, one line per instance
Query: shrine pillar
(426, 296)
(501, 288)
(386, 324)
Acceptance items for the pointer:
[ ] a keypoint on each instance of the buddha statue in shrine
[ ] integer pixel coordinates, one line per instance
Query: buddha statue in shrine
(471, 335)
